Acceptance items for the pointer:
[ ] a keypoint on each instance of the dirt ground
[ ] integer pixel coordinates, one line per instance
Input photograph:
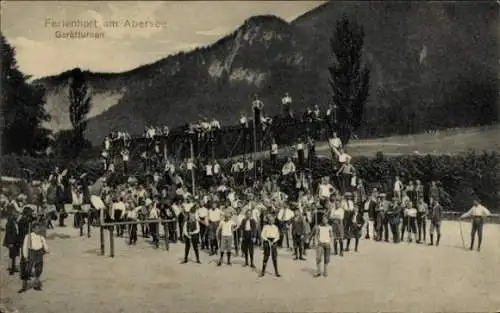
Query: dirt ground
(380, 277)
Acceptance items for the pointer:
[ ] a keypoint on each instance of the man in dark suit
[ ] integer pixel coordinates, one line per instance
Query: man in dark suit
(12, 241)
(249, 231)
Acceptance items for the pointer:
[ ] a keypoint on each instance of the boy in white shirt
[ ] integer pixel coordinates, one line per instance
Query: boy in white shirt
(324, 237)
(33, 250)
(226, 229)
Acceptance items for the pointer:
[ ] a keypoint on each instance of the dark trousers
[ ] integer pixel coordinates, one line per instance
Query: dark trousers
(385, 227)
(188, 242)
(301, 159)
(284, 235)
(394, 230)
(153, 228)
(118, 218)
(404, 227)
(180, 220)
(204, 236)
(477, 227)
(270, 250)
(298, 245)
(412, 226)
(422, 225)
(62, 213)
(125, 168)
(172, 232)
(236, 240)
(247, 246)
(132, 234)
(273, 162)
(34, 263)
(144, 230)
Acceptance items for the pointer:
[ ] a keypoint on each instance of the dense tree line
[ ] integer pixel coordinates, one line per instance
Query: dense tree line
(23, 108)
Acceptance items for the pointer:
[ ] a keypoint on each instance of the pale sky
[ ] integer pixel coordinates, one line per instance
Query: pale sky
(183, 25)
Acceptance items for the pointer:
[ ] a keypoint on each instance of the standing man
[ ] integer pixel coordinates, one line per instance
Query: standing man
(191, 231)
(298, 234)
(274, 154)
(34, 248)
(286, 102)
(270, 236)
(248, 229)
(435, 219)
(422, 210)
(478, 213)
(12, 240)
(393, 215)
(324, 237)
(214, 217)
(226, 228)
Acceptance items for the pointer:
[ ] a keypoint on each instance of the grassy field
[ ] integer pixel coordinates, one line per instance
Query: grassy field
(380, 277)
(451, 141)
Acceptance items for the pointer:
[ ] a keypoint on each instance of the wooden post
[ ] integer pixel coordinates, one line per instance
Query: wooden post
(80, 217)
(164, 148)
(165, 229)
(101, 239)
(191, 148)
(88, 224)
(254, 145)
(111, 242)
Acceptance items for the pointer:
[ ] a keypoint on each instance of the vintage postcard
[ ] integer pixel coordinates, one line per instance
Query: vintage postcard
(249, 156)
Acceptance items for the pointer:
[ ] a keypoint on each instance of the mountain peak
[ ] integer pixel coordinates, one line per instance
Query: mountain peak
(268, 19)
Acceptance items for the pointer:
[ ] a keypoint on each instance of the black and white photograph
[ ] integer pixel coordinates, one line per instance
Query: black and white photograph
(249, 156)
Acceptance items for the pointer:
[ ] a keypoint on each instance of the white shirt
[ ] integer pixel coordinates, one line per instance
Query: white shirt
(300, 146)
(285, 215)
(338, 214)
(325, 190)
(154, 213)
(348, 205)
(324, 233)
(77, 198)
(34, 241)
(107, 144)
(118, 206)
(187, 206)
(125, 157)
(335, 142)
(411, 212)
(208, 169)
(398, 186)
(286, 100)
(227, 227)
(215, 124)
(477, 210)
(214, 215)
(132, 214)
(216, 168)
(248, 225)
(344, 157)
(243, 120)
(274, 148)
(288, 168)
(189, 165)
(255, 213)
(202, 212)
(270, 231)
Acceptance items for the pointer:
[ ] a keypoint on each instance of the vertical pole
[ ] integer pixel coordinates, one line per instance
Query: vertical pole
(165, 148)
(111, 242)
(80, 222)
(101, 238)
(165, 229)
(88, 224)
(254, 145)
(192, 160)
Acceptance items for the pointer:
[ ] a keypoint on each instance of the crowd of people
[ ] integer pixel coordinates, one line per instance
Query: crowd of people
(220, 212)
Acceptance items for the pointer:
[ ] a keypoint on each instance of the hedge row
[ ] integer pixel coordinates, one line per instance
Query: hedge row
(464, 177)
